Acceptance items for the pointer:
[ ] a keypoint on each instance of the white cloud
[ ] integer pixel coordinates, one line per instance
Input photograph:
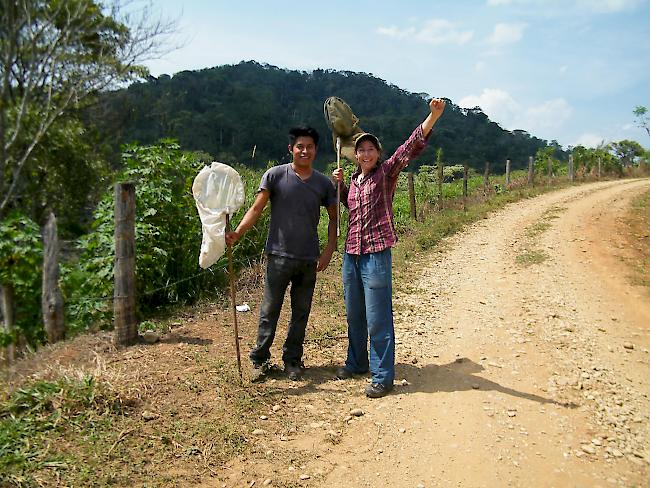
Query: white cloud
(434, 31)
(548, 115)
(541, 120)
(440, 31)
(589, 140)
(608, 6)
(507, 33)
(560, 7)
(396, 32)
(497, 104)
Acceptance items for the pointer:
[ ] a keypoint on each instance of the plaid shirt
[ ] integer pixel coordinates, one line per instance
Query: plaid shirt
(370, 201)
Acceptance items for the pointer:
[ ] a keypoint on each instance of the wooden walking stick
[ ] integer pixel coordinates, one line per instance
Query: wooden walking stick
(338, 189)
(231, 278)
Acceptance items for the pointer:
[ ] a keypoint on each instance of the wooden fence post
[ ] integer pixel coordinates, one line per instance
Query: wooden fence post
(414, 213)
(7, 308)
(126, 329)
(599, 168)
(507, 173)
(531, 171)
(51, 298)
(486, 178)
(572, 175)
(441, 176)
(465, 176)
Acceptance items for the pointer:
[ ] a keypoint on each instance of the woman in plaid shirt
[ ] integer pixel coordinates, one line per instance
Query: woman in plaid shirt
(367, 262)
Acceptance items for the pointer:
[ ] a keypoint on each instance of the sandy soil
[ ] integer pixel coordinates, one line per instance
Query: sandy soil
(509, 373)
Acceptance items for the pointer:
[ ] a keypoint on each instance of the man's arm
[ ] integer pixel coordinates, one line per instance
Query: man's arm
(252, 216)
(324, 259)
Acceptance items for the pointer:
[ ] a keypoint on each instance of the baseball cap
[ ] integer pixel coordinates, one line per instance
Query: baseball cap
(369, 137)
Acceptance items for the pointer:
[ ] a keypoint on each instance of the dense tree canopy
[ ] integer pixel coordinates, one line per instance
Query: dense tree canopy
(627, 151)
(54, 55)
(228, 110)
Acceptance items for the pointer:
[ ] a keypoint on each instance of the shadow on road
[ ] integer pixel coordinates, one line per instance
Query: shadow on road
(176, 339)
(460, 375)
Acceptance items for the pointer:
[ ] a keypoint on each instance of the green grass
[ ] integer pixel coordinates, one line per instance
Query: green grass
(530, 257)
(71, 432)
(38, 418)
(428, 233)
(639, 219)
(153, 325)
(537, 229)
(554, 212)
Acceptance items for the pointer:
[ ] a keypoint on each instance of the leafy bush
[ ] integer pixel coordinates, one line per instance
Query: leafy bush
(168, 237)
(21, 254)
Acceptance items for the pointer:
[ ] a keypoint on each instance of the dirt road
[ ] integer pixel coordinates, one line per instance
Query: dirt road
(523, 360)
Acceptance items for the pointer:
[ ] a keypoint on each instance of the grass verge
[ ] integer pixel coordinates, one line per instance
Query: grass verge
(38, 420)
(427, 234)
(639, 224)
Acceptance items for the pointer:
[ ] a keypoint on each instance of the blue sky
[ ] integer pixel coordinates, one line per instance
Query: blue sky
(569, 70)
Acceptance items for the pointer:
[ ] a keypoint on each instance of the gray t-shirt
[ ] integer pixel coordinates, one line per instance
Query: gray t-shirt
(295, 211)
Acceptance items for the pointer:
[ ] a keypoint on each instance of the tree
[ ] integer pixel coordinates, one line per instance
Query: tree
(627, 151)
(642, 120)
(545, 159)
(54, 55)
(596, 160)
(20, 260)
(65, 174)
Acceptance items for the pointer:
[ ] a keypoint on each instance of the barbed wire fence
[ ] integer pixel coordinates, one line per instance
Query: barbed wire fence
(123, 298)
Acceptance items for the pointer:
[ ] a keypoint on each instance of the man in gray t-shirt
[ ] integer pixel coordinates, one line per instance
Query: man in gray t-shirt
(296, 192)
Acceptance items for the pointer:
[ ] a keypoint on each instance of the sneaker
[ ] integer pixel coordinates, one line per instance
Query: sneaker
(378, 390)
(260, 372)
(294, 371)
(343, 373)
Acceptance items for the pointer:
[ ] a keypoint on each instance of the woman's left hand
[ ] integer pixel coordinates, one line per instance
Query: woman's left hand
(437, 106)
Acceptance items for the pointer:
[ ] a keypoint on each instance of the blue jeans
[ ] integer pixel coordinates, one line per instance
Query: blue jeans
(280, 272)
(368, 286)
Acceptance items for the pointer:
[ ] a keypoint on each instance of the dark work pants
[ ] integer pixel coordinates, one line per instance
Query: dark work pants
(280, 272)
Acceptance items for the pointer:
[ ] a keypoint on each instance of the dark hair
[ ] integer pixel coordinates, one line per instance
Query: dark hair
(296, 132)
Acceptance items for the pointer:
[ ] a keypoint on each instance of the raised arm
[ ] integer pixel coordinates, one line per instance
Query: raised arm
(415, 144)
(437, 106)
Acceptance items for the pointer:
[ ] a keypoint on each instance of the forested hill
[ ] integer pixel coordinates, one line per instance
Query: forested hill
(227, 110)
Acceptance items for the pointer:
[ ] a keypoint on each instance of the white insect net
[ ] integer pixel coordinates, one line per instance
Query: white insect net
(218, 190)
